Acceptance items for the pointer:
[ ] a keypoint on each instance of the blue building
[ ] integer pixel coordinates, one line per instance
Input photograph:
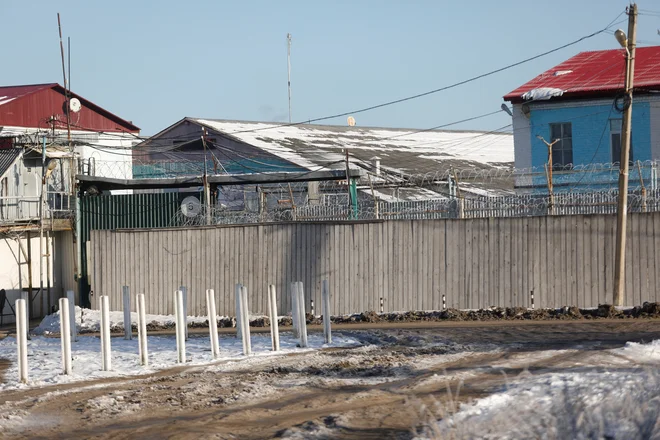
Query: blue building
(577, 106)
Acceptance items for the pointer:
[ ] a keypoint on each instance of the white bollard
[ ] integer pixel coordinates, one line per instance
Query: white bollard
(213, 323)
(382, 305)
(106, 359)
(237, 294)
(184, 289)
(302, 317)
(65, 335)
(311, 307)
(272, 312)
(180, 325)
(245, 322)
(72, 315)
(126, 296)
(294, 310)
(325, 305)
(142, 330)
(21, 339)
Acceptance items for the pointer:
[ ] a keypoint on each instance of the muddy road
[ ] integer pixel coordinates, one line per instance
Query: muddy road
(381, 389)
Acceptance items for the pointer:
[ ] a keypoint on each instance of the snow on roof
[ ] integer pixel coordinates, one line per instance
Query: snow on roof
(400, 150)
(5, 99)
(596, 72)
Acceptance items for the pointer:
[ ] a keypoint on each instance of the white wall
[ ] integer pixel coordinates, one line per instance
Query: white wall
(11, 276)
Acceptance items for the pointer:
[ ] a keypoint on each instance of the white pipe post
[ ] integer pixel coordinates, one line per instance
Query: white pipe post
(237, 294)
(65, 336)
(142, 330)
(184, 289)
(272, 310)
(72, 315)
(180, 325)
(294, 309)
(213, 322)
(126, 296)
(245, 315)
(382, 305)
(302, 317)
(21, 339)
(106, 359)
(311, 307)
(325, 298)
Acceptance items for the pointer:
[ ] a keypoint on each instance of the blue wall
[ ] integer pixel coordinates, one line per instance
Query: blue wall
(591, 143)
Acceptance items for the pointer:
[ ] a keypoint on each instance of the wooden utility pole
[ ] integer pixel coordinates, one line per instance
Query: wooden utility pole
(548, 171)
(622, 207)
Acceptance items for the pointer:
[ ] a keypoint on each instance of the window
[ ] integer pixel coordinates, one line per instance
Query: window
(615, 139)
(562, 150)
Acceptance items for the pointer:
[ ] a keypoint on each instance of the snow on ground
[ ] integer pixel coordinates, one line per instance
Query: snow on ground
(88, 321)
(44, 353)
(620, 399)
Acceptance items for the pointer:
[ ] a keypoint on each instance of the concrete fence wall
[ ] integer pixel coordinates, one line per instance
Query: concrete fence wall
(476, 263)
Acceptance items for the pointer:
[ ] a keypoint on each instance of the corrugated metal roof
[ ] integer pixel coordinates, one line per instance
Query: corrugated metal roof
(597, 72)
(405, 151)
(9, 93)
(7, 158)
(15, 95)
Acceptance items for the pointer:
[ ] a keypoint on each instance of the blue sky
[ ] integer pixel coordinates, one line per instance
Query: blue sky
(157, 62)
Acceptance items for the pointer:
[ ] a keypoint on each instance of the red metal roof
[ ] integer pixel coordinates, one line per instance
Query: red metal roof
(596, 73)
(33, 105)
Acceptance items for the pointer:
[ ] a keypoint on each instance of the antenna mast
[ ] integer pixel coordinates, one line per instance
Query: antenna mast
(288, 59)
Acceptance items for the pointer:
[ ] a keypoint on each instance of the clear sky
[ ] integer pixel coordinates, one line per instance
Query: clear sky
(156, 62)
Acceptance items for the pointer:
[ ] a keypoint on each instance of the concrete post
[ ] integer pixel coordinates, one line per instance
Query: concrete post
(295, 310)
(213, 323)
(142, 330)
(245, 315)
(272, 311)
(302, 318)
(65, 336)
(21, 339)
(180, 326)
(106, 358)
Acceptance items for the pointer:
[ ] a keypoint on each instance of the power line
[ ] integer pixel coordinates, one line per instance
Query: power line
(430, 92)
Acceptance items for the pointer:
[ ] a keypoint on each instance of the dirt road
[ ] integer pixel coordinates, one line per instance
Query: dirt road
(378, 390)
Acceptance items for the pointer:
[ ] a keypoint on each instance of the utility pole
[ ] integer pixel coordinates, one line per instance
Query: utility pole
(288, 60)
(548, 171)
(622, 207)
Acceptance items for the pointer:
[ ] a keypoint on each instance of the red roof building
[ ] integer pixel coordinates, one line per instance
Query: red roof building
(577, 106)
(596, 74)
(44, 106)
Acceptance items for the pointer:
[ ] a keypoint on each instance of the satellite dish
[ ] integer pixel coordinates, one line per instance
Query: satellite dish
(351, 121)
(75, 105)
(191, 206)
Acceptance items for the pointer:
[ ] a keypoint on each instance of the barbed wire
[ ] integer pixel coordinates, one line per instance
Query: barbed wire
(338, 208)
